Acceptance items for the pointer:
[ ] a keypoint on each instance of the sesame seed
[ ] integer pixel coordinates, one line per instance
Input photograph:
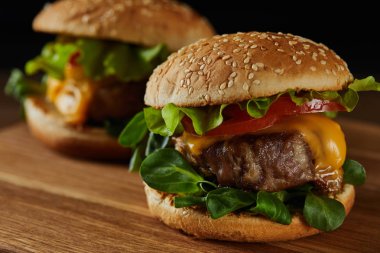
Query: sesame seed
(182, 63)
(263, 36)
(236, 50)
(223, 86)
(312, 68)
(182, 82)
(263, 48)
(276, 44)
(234, 64)
(200, 73)
(292, 42)
(323, 62)
(260, 65)
(341, 67)
(209, 60)
(300, 52)
(253, 46)
(279, 71)
(188, 75)
(85, 18)
(241, 45)
(314, 56)
(280, 50)
(230, 83)
(233, 75)
(334, 72)
(191, 89)
(246, 60)
(298, 62)
(207, 98)
(188, 82)
(256, 82)
(228, 62)
(306, 46)
(294, 58)
(220, 53)
(221, 92)
(245, 86)
(226, 57)
(203, 66)
(216, 45)
(251, 75)
(254, 67)
(225, 40)
(321, 50)
(187, 70)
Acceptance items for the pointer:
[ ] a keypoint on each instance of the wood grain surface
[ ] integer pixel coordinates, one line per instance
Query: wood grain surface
(50, 203)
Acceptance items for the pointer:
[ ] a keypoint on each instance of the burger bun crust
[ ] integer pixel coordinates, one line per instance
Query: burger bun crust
(88, 142)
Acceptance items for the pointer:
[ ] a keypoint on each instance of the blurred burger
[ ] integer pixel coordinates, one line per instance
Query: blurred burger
(96, 70)
(255, 155)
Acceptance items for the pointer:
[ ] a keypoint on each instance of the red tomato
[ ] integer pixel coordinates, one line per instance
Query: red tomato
(73, 60)
(238, 121)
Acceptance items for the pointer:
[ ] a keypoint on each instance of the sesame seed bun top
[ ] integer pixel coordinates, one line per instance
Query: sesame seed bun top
(237, 67)
(146, 22)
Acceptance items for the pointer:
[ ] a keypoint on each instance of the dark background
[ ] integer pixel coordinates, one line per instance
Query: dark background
(350, 29)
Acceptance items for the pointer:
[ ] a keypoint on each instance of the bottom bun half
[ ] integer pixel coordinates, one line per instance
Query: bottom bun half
(242, 227)
(86, 142)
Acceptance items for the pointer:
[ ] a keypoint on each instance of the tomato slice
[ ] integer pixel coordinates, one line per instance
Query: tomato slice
(238, 121)
(73, 60)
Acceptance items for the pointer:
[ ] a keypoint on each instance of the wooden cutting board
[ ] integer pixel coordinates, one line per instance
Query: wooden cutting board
(50, 203)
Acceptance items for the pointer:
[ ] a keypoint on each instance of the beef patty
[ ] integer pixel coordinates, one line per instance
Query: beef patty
(269, 162)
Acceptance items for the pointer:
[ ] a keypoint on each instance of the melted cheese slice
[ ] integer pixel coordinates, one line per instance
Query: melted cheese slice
(71, 96)
(324, 136)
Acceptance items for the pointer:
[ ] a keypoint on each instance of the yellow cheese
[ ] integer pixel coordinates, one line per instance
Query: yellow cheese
(324, 136)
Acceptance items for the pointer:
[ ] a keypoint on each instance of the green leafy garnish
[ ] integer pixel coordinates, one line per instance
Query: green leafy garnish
(155, 142)
(134, 132)
(367, 84)
(166, 170)
(354, 172)
(167, 121)
(53, 59)
(223, 201)
(186, 201)
(99, 59)
(269, 205)
(323, 213)
(18, 86)
(137, 157)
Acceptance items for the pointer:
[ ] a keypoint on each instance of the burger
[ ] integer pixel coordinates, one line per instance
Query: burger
(95, 72)
(237, 142)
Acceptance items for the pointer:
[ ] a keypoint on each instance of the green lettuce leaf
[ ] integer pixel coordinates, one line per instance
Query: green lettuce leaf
(168, 120)
(18, 86)
(354, 172)
(99, 59)
(269, 205)
(53, 59)
(366, 84)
